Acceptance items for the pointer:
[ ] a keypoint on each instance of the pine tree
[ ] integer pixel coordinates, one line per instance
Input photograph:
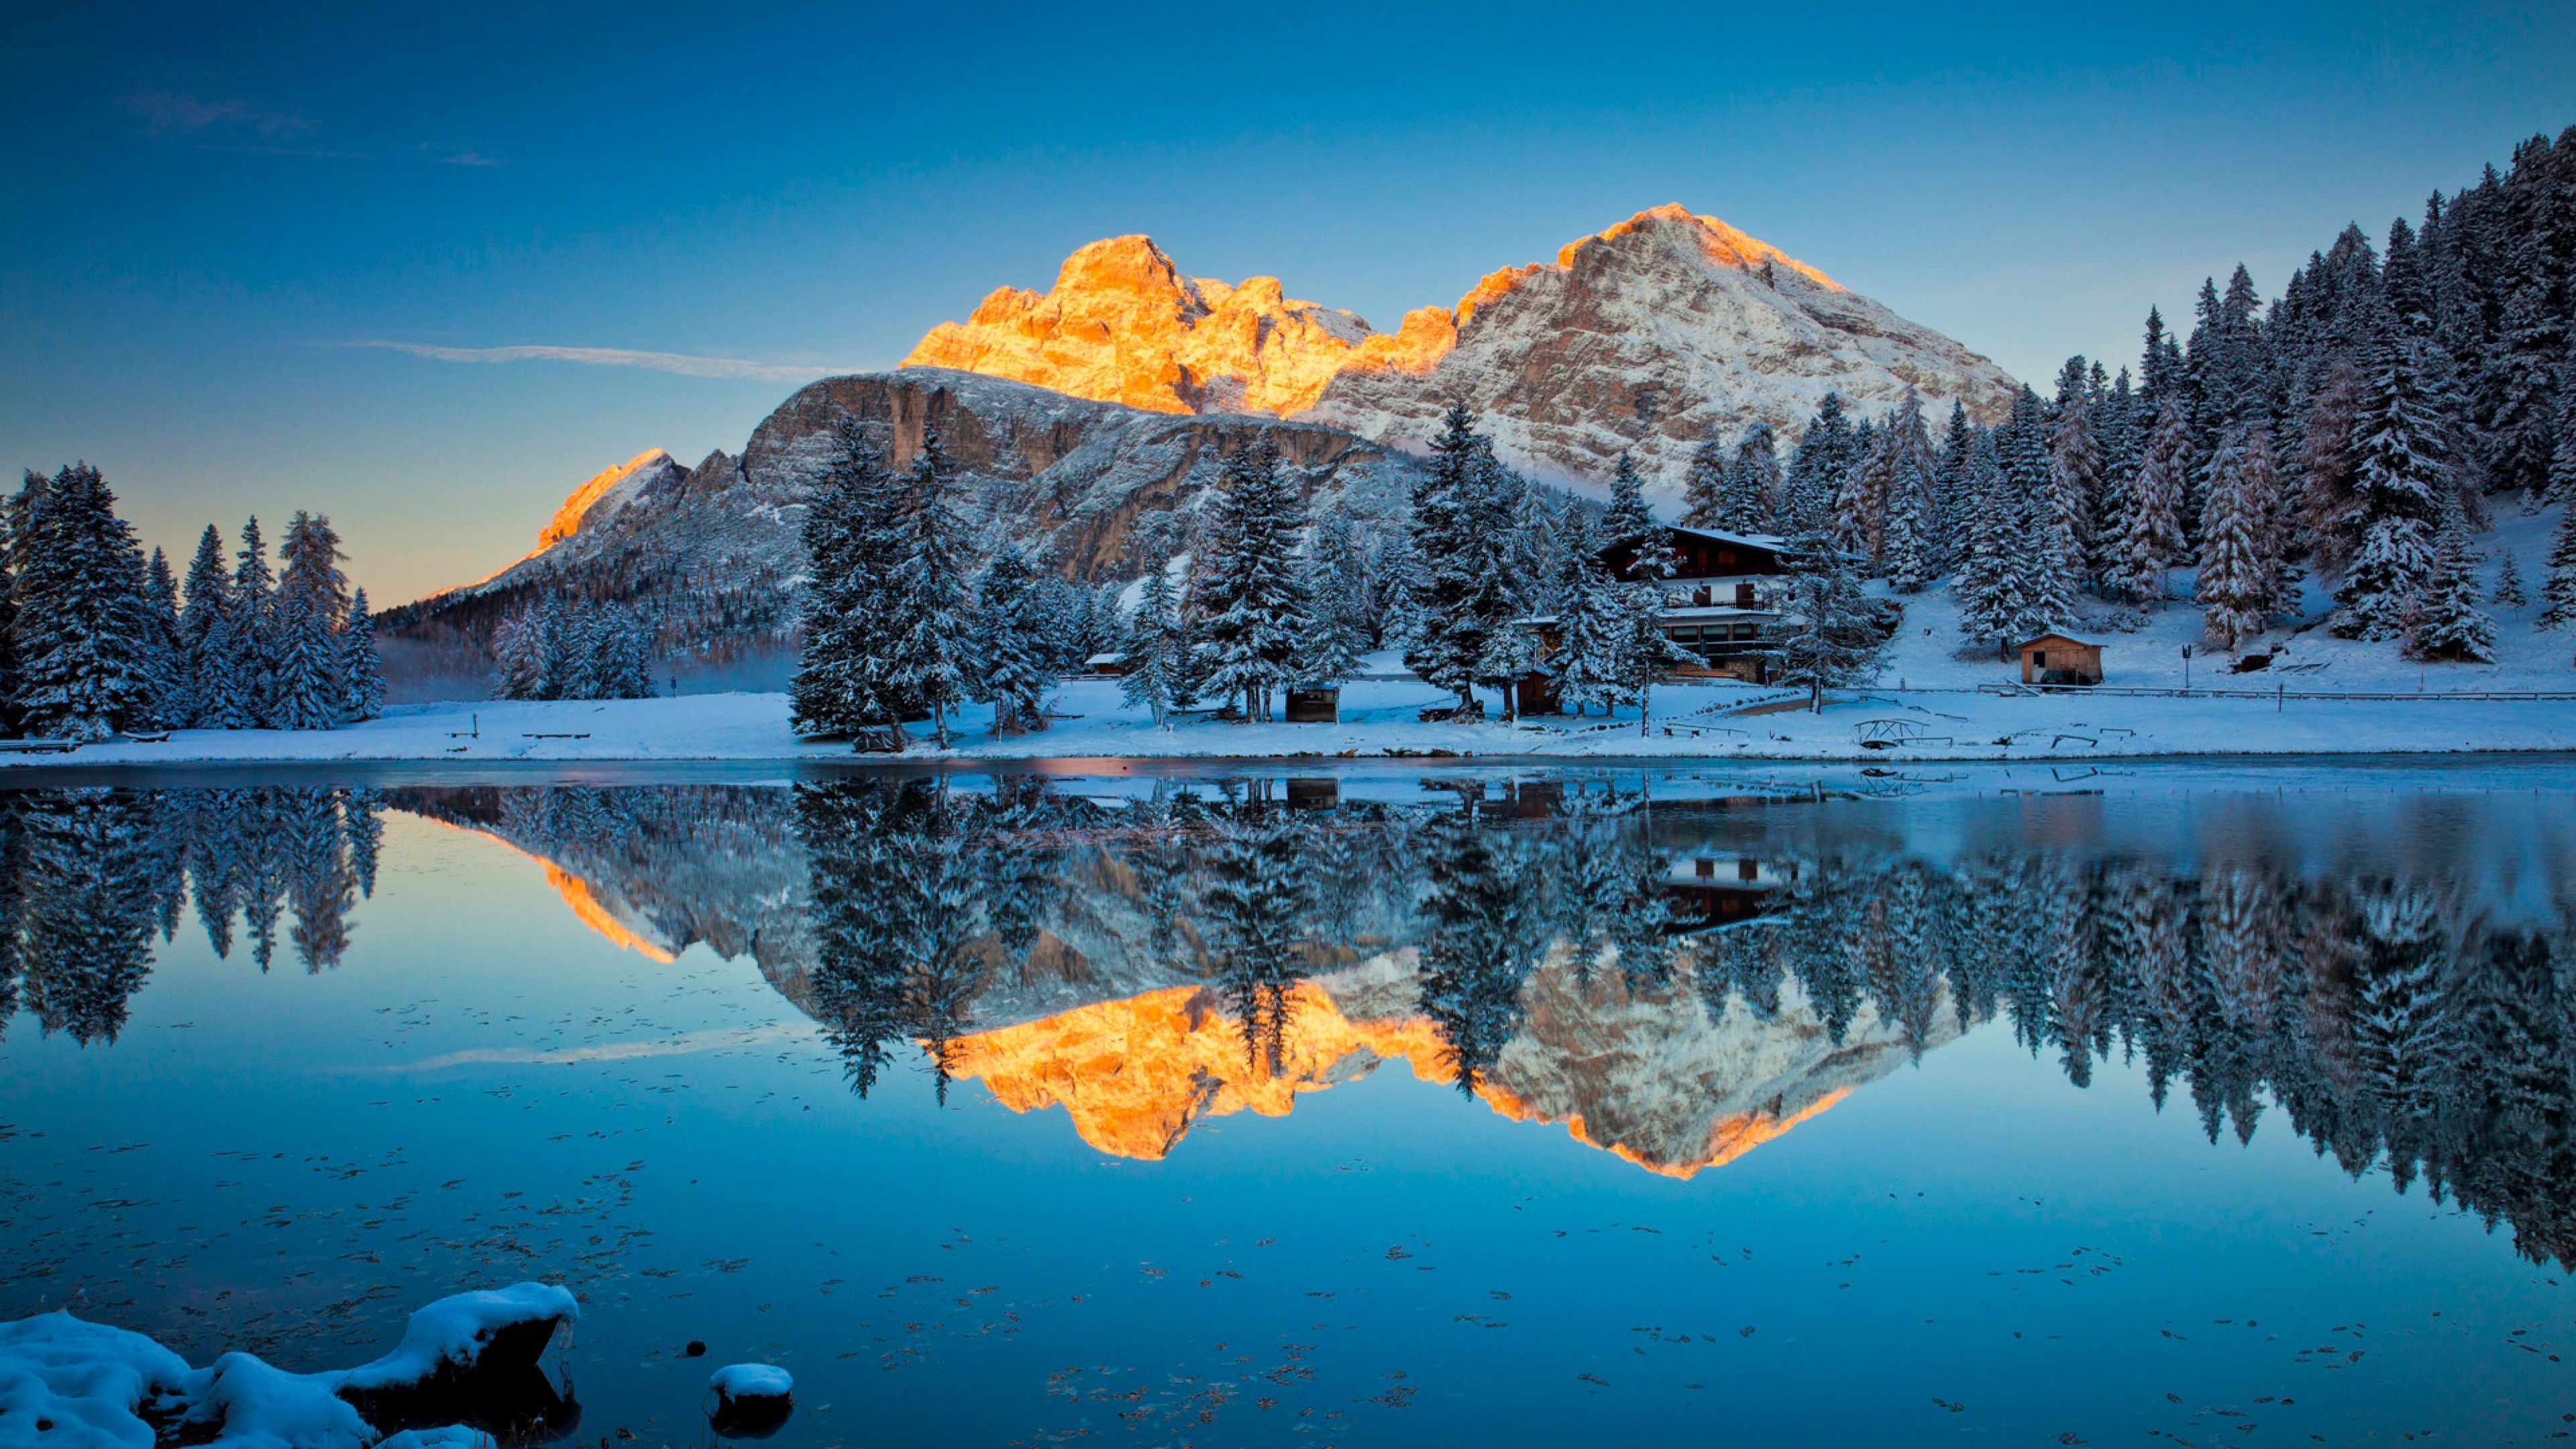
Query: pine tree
(362, 687)
(1628, 523)
(1704, 501)
(2234, 580)
(82, 635)
(172, 689)
(2558, 586)
(2075, 479)
(1646, 655)
(521, 667)
(2400, 476)
(1253, 611)
(1462, 591)
(1751, 501)
(832, 690)
(2155, 536)
(216, 693)
(1153, 650)
(2509, 590)
(925, 603)
(254, 627)
(2562, 455)
(1009, 623)
(2449, 624)
(1825, 452)
(310, 609)
(1585, 666)
(1330, 649)
(1827, 635)
(2326, 466)
(1990, 581)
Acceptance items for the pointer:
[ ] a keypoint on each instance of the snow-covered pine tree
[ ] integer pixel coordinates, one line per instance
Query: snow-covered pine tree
(1462, 591)
(1646, 655)
(1538, 541)
(311, 607)
(1990, 582)
(2045, 585)
(2448, 624)
(1254, 613)
(1751, 497)
(1585, 666)
(2154, 539)
(2275, 514)
(362, 688)
(1827, 635)
(2561, 487)
(217, 694)
(2509, 591)
(520, 667)
(254, 625)
(172, 688)
(831, 693)
(2558, 584)
(1825, 452)
(2400, 475)
(2328, 519)
(2075, 474)
(1628, 522)
(1153, 649)
(1333, 642)
(2524, 381)
(82, 632)
(2234, 581)
(1950, 472)
(1012, 672)
(637, 633)
(1704, 502)
(926, 606)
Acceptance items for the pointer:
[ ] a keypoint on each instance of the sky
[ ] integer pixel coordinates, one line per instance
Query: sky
(425, 268)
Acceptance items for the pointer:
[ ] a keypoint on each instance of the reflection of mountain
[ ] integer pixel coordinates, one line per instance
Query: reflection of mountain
(1573, 955)
(1649, 1075)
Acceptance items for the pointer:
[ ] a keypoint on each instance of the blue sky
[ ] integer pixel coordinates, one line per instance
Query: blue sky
(206, 210)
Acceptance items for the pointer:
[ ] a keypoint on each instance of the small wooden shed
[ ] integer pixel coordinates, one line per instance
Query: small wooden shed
(2060, 659)
(1315, 706)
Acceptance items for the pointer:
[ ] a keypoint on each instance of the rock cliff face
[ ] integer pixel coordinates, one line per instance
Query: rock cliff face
(1651, 336)
(714, 551)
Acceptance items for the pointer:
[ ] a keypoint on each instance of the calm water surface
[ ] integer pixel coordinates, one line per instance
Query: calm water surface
(2181, 1106)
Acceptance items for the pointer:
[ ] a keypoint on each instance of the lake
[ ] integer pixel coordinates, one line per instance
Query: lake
(1424, 1103)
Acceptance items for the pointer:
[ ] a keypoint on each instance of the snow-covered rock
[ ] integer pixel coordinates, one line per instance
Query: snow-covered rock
(1649, 336)
(749, 1400)
(66, 1383)
(745, 1381)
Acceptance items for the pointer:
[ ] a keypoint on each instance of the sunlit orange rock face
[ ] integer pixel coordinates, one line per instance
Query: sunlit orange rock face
(1123, 325)
(1648, 337)
(1650, 1077)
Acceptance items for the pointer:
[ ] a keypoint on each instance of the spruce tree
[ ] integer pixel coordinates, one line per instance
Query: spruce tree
(172, 691)
(1704, 501)
(1010, 627)
(2075, 479)
(2234, 581)
(216, 694)
(2509, 591)
(1462, 592)
(2558, 585)
(1827, 635)
(311, 607)
(1628, 523)
(1825, 452)
(1751, 502)
(926, 602)
(1646, 655)
(1585, 666)
(1253, 612)
(2400, 475)
(835, 690)
(1153, 649)
(2327, 516)
(82, 635)
(521, 668)
(362, 686)
(1990, 581)
(254, 626)
(2448, 624)
(2154, 539)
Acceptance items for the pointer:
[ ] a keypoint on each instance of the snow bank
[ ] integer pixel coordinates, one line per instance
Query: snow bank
(70, 1384)
(751, 1381)
(85, 1385)
(452, 1335)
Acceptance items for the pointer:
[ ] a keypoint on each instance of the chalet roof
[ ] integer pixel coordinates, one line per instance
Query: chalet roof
(2060, 638)
(1688, 614)
(1771, 542)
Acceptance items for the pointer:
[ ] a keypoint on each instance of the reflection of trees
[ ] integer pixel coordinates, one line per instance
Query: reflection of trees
(1258, 899)
(88, 876)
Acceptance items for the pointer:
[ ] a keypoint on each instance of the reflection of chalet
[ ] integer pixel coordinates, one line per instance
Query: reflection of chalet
(1704, 893)
(1723, 595)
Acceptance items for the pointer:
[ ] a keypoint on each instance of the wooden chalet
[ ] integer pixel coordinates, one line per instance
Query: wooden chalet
(1704, 893)
(1723, 595)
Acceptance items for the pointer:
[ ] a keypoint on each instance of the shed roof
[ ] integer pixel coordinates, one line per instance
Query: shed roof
(2052, 635)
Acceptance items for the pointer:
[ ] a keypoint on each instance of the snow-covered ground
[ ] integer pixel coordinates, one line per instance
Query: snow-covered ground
(1930, 683)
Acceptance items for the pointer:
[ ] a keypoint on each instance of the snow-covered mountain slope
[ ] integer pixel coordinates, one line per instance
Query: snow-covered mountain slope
(1651, 336)
(714, 552)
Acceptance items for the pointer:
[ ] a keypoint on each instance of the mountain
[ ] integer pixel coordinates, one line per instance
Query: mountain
(1651, 336)
(714, 552)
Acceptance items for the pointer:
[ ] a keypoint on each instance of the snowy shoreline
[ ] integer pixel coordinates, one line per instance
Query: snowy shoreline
(1698, 724)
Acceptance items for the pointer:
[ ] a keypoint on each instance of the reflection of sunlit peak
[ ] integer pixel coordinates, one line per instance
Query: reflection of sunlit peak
(577, 894)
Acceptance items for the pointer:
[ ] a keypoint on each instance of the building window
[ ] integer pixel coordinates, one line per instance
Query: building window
(2039, 659)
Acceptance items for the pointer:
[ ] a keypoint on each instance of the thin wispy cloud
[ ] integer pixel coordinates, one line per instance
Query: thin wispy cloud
(683, 363)
(470, 158)
(178, 115)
